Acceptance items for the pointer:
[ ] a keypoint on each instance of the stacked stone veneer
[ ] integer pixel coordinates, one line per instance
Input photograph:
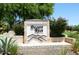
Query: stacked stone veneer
(44, 49)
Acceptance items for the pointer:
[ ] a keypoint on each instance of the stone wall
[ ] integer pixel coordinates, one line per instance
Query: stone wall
(54, 47)
(19, 39)
(49, 49)
(57, 39)
(70, 40)
(63, 39)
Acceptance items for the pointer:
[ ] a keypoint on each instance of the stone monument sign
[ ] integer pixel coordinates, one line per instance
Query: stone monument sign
(36, 30)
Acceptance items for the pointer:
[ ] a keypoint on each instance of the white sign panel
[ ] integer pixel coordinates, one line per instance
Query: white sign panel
(38, 30)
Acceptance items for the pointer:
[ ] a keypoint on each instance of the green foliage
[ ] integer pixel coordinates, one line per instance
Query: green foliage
(9, 12)
(18, 28)
(4, 26)
(13, 49)
(36, 11)
(8, 46)
(76, 28)
(73, 28)
(69, 28)
(57, 27)
(76, 47)
(74, 34)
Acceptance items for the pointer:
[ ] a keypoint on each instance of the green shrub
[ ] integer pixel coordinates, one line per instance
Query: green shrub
(19, 29)
(4, 26)
(13, 49)
(57, 27)
(73, 28)
(76, 28)
(74, 34)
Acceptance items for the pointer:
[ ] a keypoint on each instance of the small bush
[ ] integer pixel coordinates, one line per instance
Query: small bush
(19, 29)
(4, 27)
(57, 27)
(13, 49)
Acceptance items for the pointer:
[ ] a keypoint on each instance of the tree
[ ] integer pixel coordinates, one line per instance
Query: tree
(27, 11)
(36, 11)
(9, 12)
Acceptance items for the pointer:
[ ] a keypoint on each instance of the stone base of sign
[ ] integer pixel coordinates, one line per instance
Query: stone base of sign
(19, 39)
(57, 39)
(44, 49)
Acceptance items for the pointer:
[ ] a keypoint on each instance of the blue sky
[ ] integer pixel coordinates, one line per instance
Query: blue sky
(68, 11)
